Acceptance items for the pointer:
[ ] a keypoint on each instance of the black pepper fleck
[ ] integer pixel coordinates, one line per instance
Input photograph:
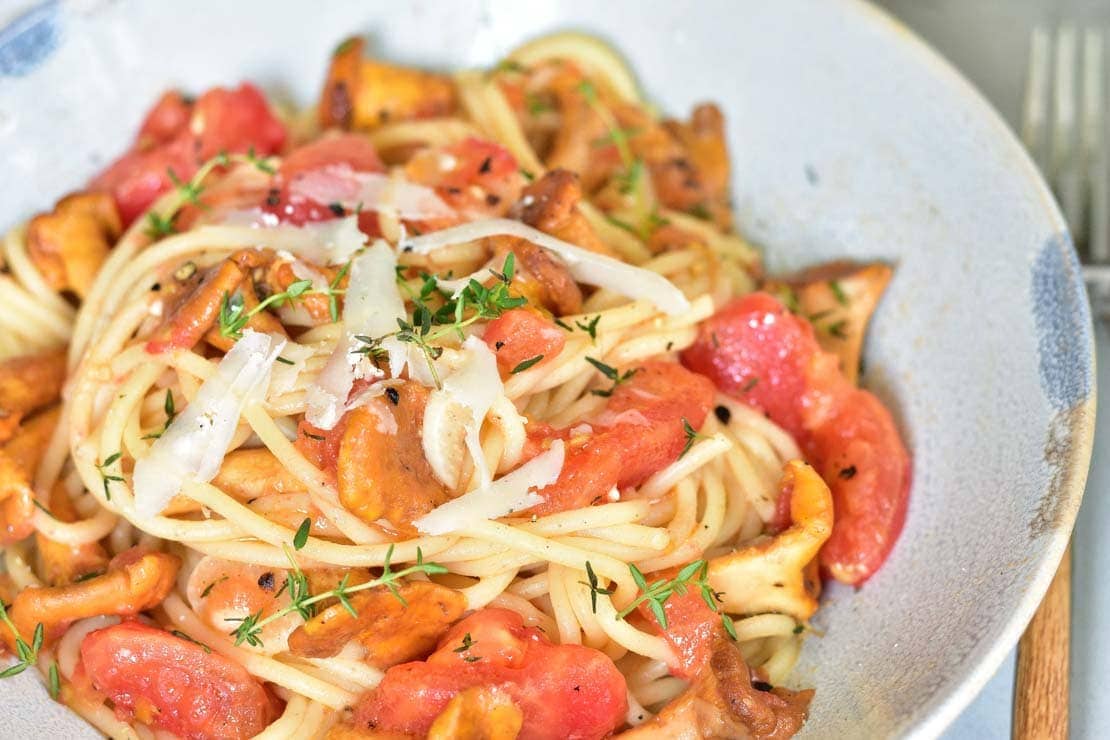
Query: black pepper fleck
(266, 581)
(393, 396)
(723, 414)
(848, 473)
(762, 686)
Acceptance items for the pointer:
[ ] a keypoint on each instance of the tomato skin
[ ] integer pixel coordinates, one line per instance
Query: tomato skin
(760, 353)
(639, 433)
(345, 152)
(187, 691)
(756, 351)
(181, 136)
(869, 473)
(521, 334)
(691, 628)
(564, 691)
(480, 178)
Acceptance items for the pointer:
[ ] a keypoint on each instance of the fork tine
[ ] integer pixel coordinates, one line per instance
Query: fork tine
(1034, 114)
(1098, 157)
(1066, 134)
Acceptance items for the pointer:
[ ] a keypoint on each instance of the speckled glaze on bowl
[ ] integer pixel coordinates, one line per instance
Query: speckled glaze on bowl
(849, 137)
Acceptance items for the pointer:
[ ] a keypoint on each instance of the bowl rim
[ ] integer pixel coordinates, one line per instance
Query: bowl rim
(943, 707)
(933, 717)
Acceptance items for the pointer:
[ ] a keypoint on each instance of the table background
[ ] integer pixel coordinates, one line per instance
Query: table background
(988, 40)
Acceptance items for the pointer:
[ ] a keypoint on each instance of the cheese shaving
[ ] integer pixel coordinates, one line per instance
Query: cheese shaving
(194, 445)
(370, 191)
(585, 266)
(371, 307)
(509, 494)
(474, 385)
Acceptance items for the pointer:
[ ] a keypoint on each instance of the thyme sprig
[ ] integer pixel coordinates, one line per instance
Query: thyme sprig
(189, 191)
(108, 478)
(171, 412)
(27, 654)
(302, 601)
(432, 323)
(629, 178)
(612, 374)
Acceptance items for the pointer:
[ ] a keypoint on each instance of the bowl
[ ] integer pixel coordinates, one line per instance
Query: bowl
(850, 138)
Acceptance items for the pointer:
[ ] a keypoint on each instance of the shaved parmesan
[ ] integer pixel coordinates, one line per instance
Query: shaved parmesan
(371, 307)
(585, 266)
(330, 242)
(194, 445)
(371, 191)
(509, 494)
(465, 399)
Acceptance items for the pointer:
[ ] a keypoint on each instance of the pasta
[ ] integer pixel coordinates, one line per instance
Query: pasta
(353, 415)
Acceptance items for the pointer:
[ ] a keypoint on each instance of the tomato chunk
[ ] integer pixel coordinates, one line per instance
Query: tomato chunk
(180, 136)
(338, 155)
(520, 335)
(692, 628)
(174, 684)
(760, 353)
(563, 691)
(639, 433)
(474, 176)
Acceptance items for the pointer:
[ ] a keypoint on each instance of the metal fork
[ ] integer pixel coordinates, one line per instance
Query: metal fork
(1065, 125)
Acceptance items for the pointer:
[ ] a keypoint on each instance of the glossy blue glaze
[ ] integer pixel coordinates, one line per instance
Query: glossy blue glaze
(1063, 324)
(29, 40)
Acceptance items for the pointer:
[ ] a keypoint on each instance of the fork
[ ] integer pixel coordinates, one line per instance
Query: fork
(1065, 125)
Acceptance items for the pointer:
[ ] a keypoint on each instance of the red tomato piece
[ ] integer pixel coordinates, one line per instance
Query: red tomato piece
(473, 176)
(760, 353)
(321, 446)
(340, 154)
(563, 691)
(521, 334)
(691, 628)
(639, 433)
(180, 136)
(174, 684)
(168, 116)
(757, 351)
(869, 471)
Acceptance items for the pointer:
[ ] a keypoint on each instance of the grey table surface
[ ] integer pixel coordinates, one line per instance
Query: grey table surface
(988, 40)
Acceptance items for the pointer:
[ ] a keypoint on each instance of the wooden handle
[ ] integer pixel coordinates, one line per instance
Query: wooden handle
(1043, 660)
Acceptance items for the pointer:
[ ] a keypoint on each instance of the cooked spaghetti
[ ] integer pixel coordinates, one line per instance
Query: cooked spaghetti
(454, 408)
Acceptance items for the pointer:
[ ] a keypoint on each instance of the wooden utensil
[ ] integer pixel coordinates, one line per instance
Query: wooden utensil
(1043, 660)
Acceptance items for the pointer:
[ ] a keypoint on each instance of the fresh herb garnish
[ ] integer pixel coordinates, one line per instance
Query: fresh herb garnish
(524, 365)
(590, 327)
(233, 316)
(190, 638)
(208, 589)
(304, 603)
(108, 478)
(838, 292)
(595, 589)
(467, 643)
(475, 302)
(157, 226)
(54, 682)
(300, 539)
(26, 653)
(171, 412)
(612, 374)
(691, 436)
(838, 329)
